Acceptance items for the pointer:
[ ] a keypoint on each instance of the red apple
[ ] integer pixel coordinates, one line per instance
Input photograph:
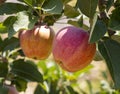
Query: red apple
(37, 43)
(71, 49)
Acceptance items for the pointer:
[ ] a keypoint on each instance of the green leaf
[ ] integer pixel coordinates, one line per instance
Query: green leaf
(20, 84)
(87, 7)
(70, 11)
(110, 50)
(26, 70)
(98, 31)
(9, 24)
(10, 44)
(114, 22)
(24, 21)
(11, 8)
(40, 90)
(3, 69)
(3, 29)
(53, 6)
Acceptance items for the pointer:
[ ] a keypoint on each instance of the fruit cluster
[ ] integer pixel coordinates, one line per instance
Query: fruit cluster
(70, 46)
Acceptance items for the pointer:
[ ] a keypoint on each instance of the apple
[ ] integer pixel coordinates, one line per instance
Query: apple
(37, 43)
(72, 50)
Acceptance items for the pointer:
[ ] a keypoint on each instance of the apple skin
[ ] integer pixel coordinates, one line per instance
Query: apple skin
(71, 49)
(11, 89)
(37, 43)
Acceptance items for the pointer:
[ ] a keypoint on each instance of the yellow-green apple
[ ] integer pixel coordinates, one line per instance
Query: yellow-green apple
(72, 50)
(37, 43)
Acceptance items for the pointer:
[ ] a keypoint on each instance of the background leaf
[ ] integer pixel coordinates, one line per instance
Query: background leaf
(110, 50)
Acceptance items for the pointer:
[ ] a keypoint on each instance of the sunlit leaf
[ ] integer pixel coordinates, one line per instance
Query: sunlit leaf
(43, 66)
(3, 29)
(24, 21)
